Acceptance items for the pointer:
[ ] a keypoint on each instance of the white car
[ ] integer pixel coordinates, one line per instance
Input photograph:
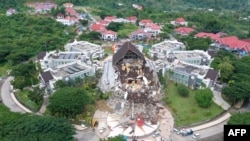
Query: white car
(157, 133)
(196, 136)
(102, 130)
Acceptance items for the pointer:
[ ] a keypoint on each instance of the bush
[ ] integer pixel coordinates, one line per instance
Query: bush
(182, 90)
(204, 97)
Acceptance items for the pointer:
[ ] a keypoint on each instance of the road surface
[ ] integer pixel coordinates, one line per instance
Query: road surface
(6, 98)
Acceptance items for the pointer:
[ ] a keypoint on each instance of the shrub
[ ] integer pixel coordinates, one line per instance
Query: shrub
(204, 97)
(182, 90)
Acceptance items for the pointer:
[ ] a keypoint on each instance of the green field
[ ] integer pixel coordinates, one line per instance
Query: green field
(186, 110)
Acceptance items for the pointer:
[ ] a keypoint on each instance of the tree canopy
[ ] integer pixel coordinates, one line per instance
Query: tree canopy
(204, 97)
(68, 102)
(116, 138)
(240, 119)
(25, 75)
(240, 77)
(27, 127)
(24, 36)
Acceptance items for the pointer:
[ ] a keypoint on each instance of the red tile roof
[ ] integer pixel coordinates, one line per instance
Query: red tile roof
(212, 36)
(97, 27)
(104, 23)
(184, 30)
(132, 18)
(139, 31)
(180, 19)
(109, 18)
(234, 43)
(109, 32)
(146, 21)
(70, 11)
(153, 26)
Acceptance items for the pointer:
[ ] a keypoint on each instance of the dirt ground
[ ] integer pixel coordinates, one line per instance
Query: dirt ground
(102, 106)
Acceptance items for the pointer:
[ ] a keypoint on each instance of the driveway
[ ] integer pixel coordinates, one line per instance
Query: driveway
(219, 100)
(6, 98)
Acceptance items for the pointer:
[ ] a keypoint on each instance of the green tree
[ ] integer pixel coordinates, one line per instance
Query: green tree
(68, 102)
(84, 22)
(237, 91)
(182, 90)
(115, 26)
(36, 95)
(28, 127)
(240, 119)
(204, 97)
(60, 84)
(226, 71)
(215, 63)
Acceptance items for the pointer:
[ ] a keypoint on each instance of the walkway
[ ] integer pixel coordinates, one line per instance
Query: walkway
(219, 100)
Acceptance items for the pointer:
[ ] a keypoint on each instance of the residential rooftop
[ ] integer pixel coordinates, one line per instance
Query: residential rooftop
(190, 54)
(66, 70)
(64, 55)
(190, 69)
(168, 45)
(82, 46)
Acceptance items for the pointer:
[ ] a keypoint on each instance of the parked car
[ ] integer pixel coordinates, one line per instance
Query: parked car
(101, 130)
(157, 133)
(196, 136)
(186, 132)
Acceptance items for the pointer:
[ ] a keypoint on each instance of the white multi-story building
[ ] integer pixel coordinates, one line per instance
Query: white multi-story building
(188, 67)
(165, 47)
(77, 62)
(86, 48)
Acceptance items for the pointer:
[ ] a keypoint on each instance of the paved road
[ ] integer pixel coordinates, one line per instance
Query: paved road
(212, 133)
(6, 98)
(86, 135)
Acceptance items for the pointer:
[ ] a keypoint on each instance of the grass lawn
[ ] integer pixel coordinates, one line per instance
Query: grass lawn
(127, 29)
(22, 97)
(186, 110)
(108, 50)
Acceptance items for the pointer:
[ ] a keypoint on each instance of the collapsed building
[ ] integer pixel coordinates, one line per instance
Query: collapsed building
(137, 79)
(136, 91)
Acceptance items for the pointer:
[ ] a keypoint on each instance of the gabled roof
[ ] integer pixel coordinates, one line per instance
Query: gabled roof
(41, 55)
(132, 18)
(46, 76)
(234, 43)
(212, 36)
(97, 27)
(124, 49)
(184, 30)
(109, 18)
(180, 19)
(212, 74)
(109, 32)
(145, 21)
(153, 26)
